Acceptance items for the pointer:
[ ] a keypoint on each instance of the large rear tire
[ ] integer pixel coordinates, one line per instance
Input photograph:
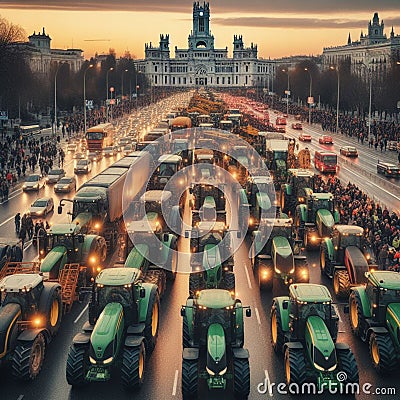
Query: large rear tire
(189, 379)
(185, 333)
(356, 315)
(341, 284)
(383, 353)
(133, 367)
(324, 262)
(295, 367)
(27, 359)
(152, 321)
(241, 378)
(277, 334)
(195, 283)
(77, 362)
(228, 281)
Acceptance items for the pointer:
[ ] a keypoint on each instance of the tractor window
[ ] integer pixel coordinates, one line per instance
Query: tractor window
(115, 294)
(351, 240)
(280, 155)
(153, 206)
(167, 169)
(324, 204)
(319, 309)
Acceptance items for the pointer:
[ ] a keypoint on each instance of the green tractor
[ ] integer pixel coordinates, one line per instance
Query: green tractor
(374, 311)
(64, 244)
(293, 192)
(277, 262)
(30, 315)
(122, 329)
(346, 258)
(277, 151)
(211, 257)
(304, 327)
(315, 218)
(213, 339)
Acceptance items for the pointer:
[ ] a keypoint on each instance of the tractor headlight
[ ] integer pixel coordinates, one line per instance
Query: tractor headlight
(223, 372)
(313, 238)
(92, 360)
(212, 373)
(108, 360)
(278, 271)
(291, 271)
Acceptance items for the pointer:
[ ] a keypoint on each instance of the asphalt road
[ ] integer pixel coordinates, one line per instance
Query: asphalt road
(163, 373)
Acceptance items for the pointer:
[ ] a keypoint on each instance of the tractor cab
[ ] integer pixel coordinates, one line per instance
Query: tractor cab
(180, 147)
(168, 166)
(299, 180)
(319, 201)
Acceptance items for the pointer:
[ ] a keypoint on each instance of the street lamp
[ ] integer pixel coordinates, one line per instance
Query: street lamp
(84, 95)
(309, 100)
(370, 96)
(136, 86)
(110, 69)
(336, 68)
(55, 96)
(288, 90)
(122, 84)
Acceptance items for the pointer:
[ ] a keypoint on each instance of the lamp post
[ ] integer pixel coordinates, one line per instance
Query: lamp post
(136, 86)
(55, 96)
(309, 104)
(122, 84)
(370, 96)
(84, 95)
(336, 68)
(288, 90)
(108, 71)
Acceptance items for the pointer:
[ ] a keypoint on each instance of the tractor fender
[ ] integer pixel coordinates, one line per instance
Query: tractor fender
(136, 330)
(167, 247)
(286, 188)
(293, 345)
(10, 314)
(283, 313)
(190, 353)
(81, 338)
(339, 268)
(240, 353)
(144, 302)
(133, 341)
(342, 346)
(47, 298)
(365, 303)
(89, 246)
(302, 209)
(29, 335)
(379, 330)
(330, 248)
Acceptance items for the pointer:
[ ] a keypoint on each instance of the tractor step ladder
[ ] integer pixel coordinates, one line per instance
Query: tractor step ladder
(12, 268)
(68, 279)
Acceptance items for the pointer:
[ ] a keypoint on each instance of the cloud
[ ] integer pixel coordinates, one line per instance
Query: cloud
(294, 23)
(220, 6)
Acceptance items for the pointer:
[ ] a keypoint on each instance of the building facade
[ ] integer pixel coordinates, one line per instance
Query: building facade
(201, 64)
(374, 50)
(41, 57)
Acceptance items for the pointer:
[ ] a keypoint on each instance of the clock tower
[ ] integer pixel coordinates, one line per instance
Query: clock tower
(200, 37)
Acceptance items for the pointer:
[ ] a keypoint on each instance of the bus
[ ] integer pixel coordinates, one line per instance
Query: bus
(326, 162)
(29, 130)
(100, 136)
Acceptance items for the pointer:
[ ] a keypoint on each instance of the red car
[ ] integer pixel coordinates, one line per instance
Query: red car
(304, 137)
(280, 128)
(325, 139)
(297, 126)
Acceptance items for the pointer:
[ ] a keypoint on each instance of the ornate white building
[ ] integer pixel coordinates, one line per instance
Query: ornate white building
(203, 65)
(40, 56)
(374, 49)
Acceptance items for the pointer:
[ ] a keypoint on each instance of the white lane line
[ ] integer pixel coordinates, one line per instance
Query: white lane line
(20, 397)
(7, 220)
(337, 312)
(175, 383)
(248, 276)
(80, 315)
(257, 315)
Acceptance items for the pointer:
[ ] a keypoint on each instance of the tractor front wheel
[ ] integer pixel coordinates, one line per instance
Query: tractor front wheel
(77, 363)
(348, 364)
(27, 359)
(241, 378)
(295, 367)
(189, 379)
(133, 367)
(341, 284)
(383, 353)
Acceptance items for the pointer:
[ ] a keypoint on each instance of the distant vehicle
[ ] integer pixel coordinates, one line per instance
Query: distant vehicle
(297, 126)
(95, 155)
(128, 149)
(280, 120)
(33, 182)
(100, 136)
(280, 128)
(117, 148)
(65, 185)
(297, 117)
(109, 151)
(124, 141)
(79, 156)
(326, 161)
(305, 137)
(349, 151)
(41, 207)
(72, 147)
(55, 175)
(83, 166)
(29, 130)
(388, 169)
(325, 139)
(393, 145)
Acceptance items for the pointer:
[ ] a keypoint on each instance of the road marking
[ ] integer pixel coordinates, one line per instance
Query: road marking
(7, 220)
(248, 276)
(257, 315)
(80, 315)
(20, 397)
(337, 312)
(175, 383)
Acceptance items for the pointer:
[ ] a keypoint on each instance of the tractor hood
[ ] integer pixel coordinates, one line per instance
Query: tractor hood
(9, 314)
(393, 315)
(282, 255)
(325, 222)
(263, 200)
(321, 349)
(110, 321)
(216, 349)
(211, 262)
(53, 257)
(137, 256)
(82, 219)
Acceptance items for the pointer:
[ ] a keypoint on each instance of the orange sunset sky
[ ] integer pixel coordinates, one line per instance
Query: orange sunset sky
(280, 28)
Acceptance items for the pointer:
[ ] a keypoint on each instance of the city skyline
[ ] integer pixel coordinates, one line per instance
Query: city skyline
(287, 29)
